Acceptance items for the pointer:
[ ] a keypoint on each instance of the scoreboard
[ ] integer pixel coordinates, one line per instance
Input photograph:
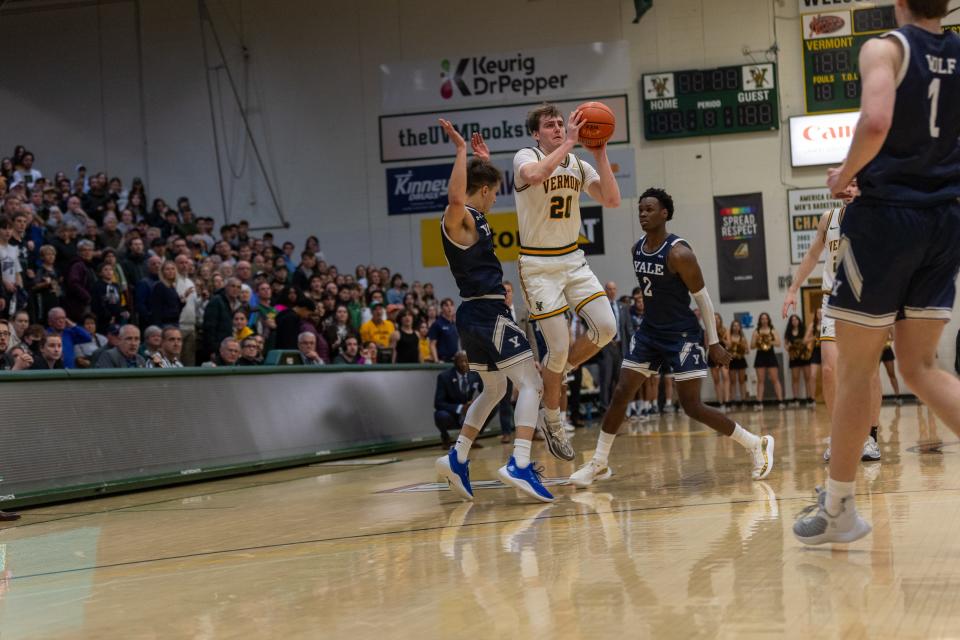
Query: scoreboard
(708, 102)
(831, 53)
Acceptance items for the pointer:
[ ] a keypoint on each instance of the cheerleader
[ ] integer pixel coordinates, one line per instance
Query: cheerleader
(888, 358)
(736, 343)
(765, 340)
(720, 374)
(795, 339)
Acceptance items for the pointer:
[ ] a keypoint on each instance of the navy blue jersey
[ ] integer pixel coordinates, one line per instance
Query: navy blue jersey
(475, 268)
(666, 299)
(919, 163)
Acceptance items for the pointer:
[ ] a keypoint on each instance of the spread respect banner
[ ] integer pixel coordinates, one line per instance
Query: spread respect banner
(506, 236)
(423, 189)
(741, 249)
(418, 136)
(461, 80)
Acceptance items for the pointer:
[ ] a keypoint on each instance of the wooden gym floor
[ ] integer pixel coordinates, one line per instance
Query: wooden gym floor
(679, 543)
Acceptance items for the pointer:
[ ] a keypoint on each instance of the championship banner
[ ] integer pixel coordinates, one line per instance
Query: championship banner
(506, 236)
(741, 252)
(423, 189)
(418, 136)
(804, 207)
(496, 78)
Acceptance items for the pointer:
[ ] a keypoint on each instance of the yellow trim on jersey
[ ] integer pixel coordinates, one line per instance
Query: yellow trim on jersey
(544, 316)
(548, 251)
(599, 294)
(827, 339)
(519, 189)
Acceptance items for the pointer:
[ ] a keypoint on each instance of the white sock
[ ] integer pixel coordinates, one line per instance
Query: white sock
(462, 448)
(604, 443)
(521, 452)
(836, 492)
(744, 438)
(644, 405)
(552, 415)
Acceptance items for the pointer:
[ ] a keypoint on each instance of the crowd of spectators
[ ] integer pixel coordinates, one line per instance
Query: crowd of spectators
(94, 277)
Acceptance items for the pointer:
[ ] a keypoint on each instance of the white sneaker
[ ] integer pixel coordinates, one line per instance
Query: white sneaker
(762, 456)
(871, 450)
(568, 427)
(593, 470)
(758, 406)
(821, 527)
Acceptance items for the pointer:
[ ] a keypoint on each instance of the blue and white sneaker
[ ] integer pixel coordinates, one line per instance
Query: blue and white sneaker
(456, 474)
(526, 480)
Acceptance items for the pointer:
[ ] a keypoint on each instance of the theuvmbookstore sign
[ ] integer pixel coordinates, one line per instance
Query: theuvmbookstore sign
(513, 76)
(418, 136)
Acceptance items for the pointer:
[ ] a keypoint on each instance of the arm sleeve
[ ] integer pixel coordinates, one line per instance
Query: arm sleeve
(705, 305)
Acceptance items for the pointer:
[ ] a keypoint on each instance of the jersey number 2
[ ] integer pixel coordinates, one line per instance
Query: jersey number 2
(647, 287)
(934, 94)
(560, 207)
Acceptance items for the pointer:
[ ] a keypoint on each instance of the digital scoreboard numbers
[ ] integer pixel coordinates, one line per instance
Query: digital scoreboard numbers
(831, 53)
(709, 102)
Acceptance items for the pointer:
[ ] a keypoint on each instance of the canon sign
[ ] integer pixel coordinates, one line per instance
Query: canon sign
(821, 140)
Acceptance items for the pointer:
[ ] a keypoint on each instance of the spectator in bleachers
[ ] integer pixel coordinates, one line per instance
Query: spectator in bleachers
(18, 327)
(249, 353)
(135, 261)
(59, 324)
(338, 329)
(12, 360)
(111, 236)
(151, 342)
(51, 351)
(289, 320)
(241, 328)
(444, 339)
(378, 329)
(350, 353)
(26, 174)
(125, 355)
(304, 271)
(228, 354)
(79, 282)
(171, 346)
(187, 291)
(165, 303)
(75, 216)
(105, 299)
(142, 295)
(218, 316)
(405, 343)
(10, 270)
(307, 346)
(95, 199)
(397, 290)
(83, 353)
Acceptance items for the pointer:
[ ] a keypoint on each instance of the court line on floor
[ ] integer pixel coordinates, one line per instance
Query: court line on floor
(363, 536)
(28, 513)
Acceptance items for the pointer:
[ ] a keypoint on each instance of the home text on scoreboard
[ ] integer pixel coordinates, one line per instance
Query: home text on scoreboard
(708, 102)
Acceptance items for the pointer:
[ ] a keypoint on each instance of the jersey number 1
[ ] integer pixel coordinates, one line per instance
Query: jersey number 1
(560, 207)
(934, 94)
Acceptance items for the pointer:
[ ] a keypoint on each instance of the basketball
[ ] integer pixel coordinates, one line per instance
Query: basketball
(599, 125)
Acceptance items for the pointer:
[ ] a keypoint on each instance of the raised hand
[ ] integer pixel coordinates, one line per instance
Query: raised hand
(574, 123)
(453, 134)
(790, 302)
(480, 148)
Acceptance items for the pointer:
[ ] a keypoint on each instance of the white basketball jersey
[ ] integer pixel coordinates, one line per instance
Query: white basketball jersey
(549, 213)
(832, 244)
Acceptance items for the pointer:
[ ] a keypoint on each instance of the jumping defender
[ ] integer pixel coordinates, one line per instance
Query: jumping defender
(496, 347)
(900, 247)
(670, 340)
(554, 274)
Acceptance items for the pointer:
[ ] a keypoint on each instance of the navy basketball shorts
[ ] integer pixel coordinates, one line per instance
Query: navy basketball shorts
(491, 339)
(681, 355)
(896, 263)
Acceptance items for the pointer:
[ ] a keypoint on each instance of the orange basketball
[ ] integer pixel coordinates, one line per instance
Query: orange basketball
(599, 126)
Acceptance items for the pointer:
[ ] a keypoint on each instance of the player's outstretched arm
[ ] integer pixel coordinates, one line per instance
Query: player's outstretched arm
(808, 264)
(880, 61)
(682, 261)
(457, 187)
(606, 191)
(537, 172)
